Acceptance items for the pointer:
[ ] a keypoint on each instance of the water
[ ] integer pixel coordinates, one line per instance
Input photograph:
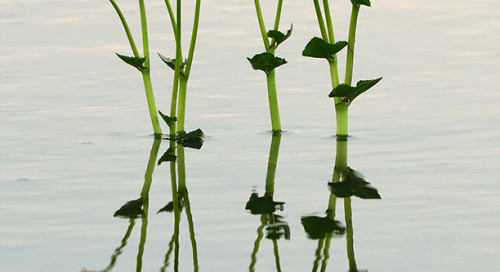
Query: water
(75, 138)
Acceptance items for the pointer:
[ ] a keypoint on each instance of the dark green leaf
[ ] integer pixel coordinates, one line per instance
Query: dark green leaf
(318, 48)
(362, 2)
(169, 120)
(263, 204)
(170, 207)
(266, 62)
(131, 209)
(167, 156)
(344, 90)
(193, 139)
(170, 62)
(318, 227)
(278, 229)
(134, 61)
(354, 185)
(278, 36)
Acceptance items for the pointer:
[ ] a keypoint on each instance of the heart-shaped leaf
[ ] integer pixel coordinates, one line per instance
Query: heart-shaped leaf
(362, 2)
(318, 48)
(354, 185)
(137, 62)
(266, 62)
(170, 62)
(344, 90)
(278, 36)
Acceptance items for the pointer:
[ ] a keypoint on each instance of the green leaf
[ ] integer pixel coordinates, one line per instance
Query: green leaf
(170, 207)
(344, 90)
(167, 156)
(137, 62)
(354, 185)
(318, 48)
(266, 62)
(131, 209)
(362, 2)
(318, 227)
(170, 62)
(193, 139)
(278, 36)
(169, 120)
(263, 204)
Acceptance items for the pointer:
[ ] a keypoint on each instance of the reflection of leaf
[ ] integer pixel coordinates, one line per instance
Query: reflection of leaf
(131, 209)
(263, 204)
(362, 2)
(318, 48)
(354, 185)
(278, 36)
(266, 62)
(318, 227)
(137, 62)
(344, 90)
(167, 156)
(278, 229)
(170, 207)
(169, 120)
(192, 139)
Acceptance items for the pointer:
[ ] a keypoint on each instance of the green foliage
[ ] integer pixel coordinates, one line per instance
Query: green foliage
(263, 204)
(137, 62)
(344, 90)
(278, 36)
(167, 156)
(131, 210)
(171, 62)
(354, 185)
(318, 227)
(169, 120)
(170, 207)
(318, 48)
(361, 2)
(193, 139)
(266, 62)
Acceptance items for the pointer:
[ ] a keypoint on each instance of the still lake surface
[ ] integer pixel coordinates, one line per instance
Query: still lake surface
(75, 138)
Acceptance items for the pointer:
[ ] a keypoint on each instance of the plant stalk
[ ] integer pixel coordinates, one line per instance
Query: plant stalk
(351, 40)
(273, 101)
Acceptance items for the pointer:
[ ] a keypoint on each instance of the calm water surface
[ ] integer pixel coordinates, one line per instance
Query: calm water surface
(75, 138)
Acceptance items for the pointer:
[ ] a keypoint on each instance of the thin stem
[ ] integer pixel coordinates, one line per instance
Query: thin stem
(194, 35)
(321, 22)
(262, 25)
(352, 37)
(181, 111)
(172, 16)
(341, 110)
(146, 77)
(144, 28)
(126, 28)
(273, 100)
(329, 24)
(349, 234)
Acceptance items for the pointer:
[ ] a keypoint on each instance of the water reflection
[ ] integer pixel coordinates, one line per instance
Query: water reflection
(265, 206)
(346, 182)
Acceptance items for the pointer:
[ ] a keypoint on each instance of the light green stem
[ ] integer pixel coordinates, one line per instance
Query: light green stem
(272, 164)
(321, 22)
(342, 110)
(181, 111)
(329, 24)
(273, 101)
(146, 77)
(352, 38)
(349, 234)
(126, 28)
(194, 35)
(262, 25)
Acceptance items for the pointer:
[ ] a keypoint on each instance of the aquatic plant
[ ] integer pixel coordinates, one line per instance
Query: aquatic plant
(141, 63)
(268, 62)
(327, 48)
(182, 69)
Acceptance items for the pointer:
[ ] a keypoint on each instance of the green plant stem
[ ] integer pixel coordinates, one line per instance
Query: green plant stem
(172, 16)
(194, 35)
(278, 15)
(272, 164)
(181, 112)
(262, 25)
(126, 28)
(273, 101)
(321, 22)
(146, 78)
(329, 24)
(350, 50)
(349, 234)
(342, 110)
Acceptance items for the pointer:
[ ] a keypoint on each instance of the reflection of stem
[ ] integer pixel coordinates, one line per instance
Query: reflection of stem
(148, 179)
(119, 249)
(350, 234)
(272, 164)
(260, 235)
(321, 243)
(276, 255)
(167, 256)
(326, 251)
